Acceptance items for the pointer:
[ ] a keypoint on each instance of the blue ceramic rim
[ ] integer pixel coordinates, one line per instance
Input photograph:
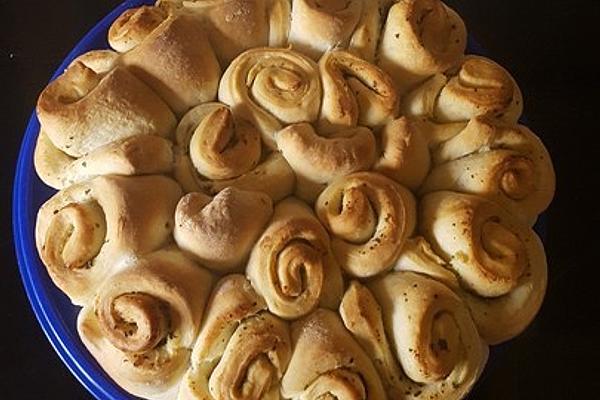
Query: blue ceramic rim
(82, 366)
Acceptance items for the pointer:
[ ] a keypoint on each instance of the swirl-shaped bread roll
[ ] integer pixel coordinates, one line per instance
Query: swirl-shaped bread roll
(478, 87)
(271, 87)
(291, 265)
(242, 350)
(419, 335)
(170, 53)
(133, 26)
(318, 26)
(370, 217)
(215, 144)
(355, 92)
(136, 155)
(420, 38)
(507, 164)
(404, 152)
(84, 232)
(234, 26)
(144, 321)
(327, 363)
(318, 160)
(221, 231)
(500, 261)
(82, 110)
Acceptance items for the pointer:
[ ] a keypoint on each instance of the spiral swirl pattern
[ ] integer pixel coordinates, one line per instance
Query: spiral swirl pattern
(241, 351)
(143, 321)
(355, 92)
(370, 216)
(499, 260)
(271, 87)
(507, 164)
(438, 348)
(291, 265)
(84, 231)
(477, 87)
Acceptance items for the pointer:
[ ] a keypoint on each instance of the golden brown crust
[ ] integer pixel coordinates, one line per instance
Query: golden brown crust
(505, 163)
(82, 110)
(86, 231)
(220, 232)
(144, 321)
(420, 38)
(241, 351)
(370, 217)
(291, 265)
(432, 335)
(404, 152)
(271, 87)
(477, 87)
(133, 26)
(499, 261)
(327, 362)
(136, 155)
(215, 145)
(177, 62)
(355, 92)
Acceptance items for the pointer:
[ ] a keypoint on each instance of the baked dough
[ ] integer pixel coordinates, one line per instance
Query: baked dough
(505, 163)
(499, 260)
(144, 321)
(477, 87)
(318, 160)
(369, 217)
(291, 264)
(85, 232)
(220, 232)
(328, 363)
(271, 87)
(242, 350)
(420, 38)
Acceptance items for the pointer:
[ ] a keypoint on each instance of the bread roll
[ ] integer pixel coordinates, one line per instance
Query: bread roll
(505, 163)
(242, 350)
(221, 231)
(405, 154)
(136, 155)
(370, 217)
(420, 38)
(215, 144)
(477, 87)
(291, 265)
(144, 320)
(82, 110)
(419, 335)
(354, 92)
(318, 26)
(133, 26)
(500, 261)
(234, 26)
(171, 54)
(271, 87)
(327, 363)
(318, 160)
(85, 232)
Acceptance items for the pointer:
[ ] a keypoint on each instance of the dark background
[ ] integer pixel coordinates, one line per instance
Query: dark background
(547, 45)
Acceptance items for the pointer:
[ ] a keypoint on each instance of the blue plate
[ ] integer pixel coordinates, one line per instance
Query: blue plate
(55, 313)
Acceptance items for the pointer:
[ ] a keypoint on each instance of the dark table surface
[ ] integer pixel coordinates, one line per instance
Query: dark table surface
(548, 47)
